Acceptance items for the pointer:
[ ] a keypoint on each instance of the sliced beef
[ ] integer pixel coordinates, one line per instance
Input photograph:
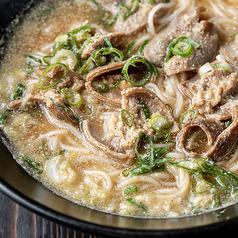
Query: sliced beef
(73, 80)
(220, 142)
(117, 139)
(109, 75)
(99, 42)
(130, 102)
(52, 99)
(186, 24)
(210, 89)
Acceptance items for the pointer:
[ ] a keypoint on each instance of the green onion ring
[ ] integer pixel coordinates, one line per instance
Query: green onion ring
(182, 48)
(150, 69)
(189, 111)
(104, 87)
(122, 117)
(47, 70)
(160, 134)
(71, 95)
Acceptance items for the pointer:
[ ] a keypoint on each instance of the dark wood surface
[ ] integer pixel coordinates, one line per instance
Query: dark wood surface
(18, 222)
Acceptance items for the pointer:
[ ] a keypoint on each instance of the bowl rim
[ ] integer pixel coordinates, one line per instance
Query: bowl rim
(96, 229)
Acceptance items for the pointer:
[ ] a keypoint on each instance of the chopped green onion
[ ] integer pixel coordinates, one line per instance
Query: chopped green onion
(159, 122)
(115, 18)
(108, 42)
(84, 68)
(115, 84)
(75, 31)
(127, 54)
(59, 45)
(189, 111)
(32, 164)
(99, 55)
(98, 85)
(58, 104)
(19, 91)
(43, 150)
(150, 69)
(131, 190)
(141, 49)
(144, 109)
(49, 68)
(138, 204)
(182, 48)
(33, 58)
(122, 117)
(178, 50)
(47, 59)
(151, 151)
(162, 136)
(4, 116)
(74, 98)
(217, 66)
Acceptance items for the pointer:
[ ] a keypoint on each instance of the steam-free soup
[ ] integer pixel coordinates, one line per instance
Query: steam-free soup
(129, 107)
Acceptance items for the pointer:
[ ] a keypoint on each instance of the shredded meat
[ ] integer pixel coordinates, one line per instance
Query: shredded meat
(186, 24)
(208, 91)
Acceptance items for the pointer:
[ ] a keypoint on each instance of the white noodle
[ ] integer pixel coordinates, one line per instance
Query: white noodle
(106, 179)
(138, 179)
(150, 21)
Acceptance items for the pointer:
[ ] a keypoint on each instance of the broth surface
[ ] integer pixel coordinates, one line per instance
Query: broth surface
(121, 145)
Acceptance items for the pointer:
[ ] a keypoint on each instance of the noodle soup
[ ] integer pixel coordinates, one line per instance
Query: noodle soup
(127, 107)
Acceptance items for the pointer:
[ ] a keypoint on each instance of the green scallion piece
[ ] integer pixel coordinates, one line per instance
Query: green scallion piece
(58, 104)
(32, 164)
(19, 91)
(138, 204)
(144, 109)
(150, 69)
(34, 58)
(130, 118)
(127, 54)
(159, 122)
(141, 49)
(74, 98)
(217, 66)
(4, 116)
(131, 190)
(98, 85)
(49, 68)
(43, 150)
(163, 136)
(189, 111)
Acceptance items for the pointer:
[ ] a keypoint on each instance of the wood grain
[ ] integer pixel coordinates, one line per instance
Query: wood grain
(18, 222)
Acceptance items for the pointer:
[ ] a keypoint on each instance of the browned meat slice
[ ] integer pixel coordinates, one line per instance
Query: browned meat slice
(99, 42)
(219, 142)
(186, 24)
(95, 136)
(208, 91)
(53, 100)
(117, 139)
(223, 112)
(73, 80)
(109, 75)
(131, 102)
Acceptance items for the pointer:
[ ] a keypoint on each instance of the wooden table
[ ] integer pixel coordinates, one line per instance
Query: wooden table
(18, 222)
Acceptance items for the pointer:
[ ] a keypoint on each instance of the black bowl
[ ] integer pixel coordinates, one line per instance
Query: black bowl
(25, 190)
